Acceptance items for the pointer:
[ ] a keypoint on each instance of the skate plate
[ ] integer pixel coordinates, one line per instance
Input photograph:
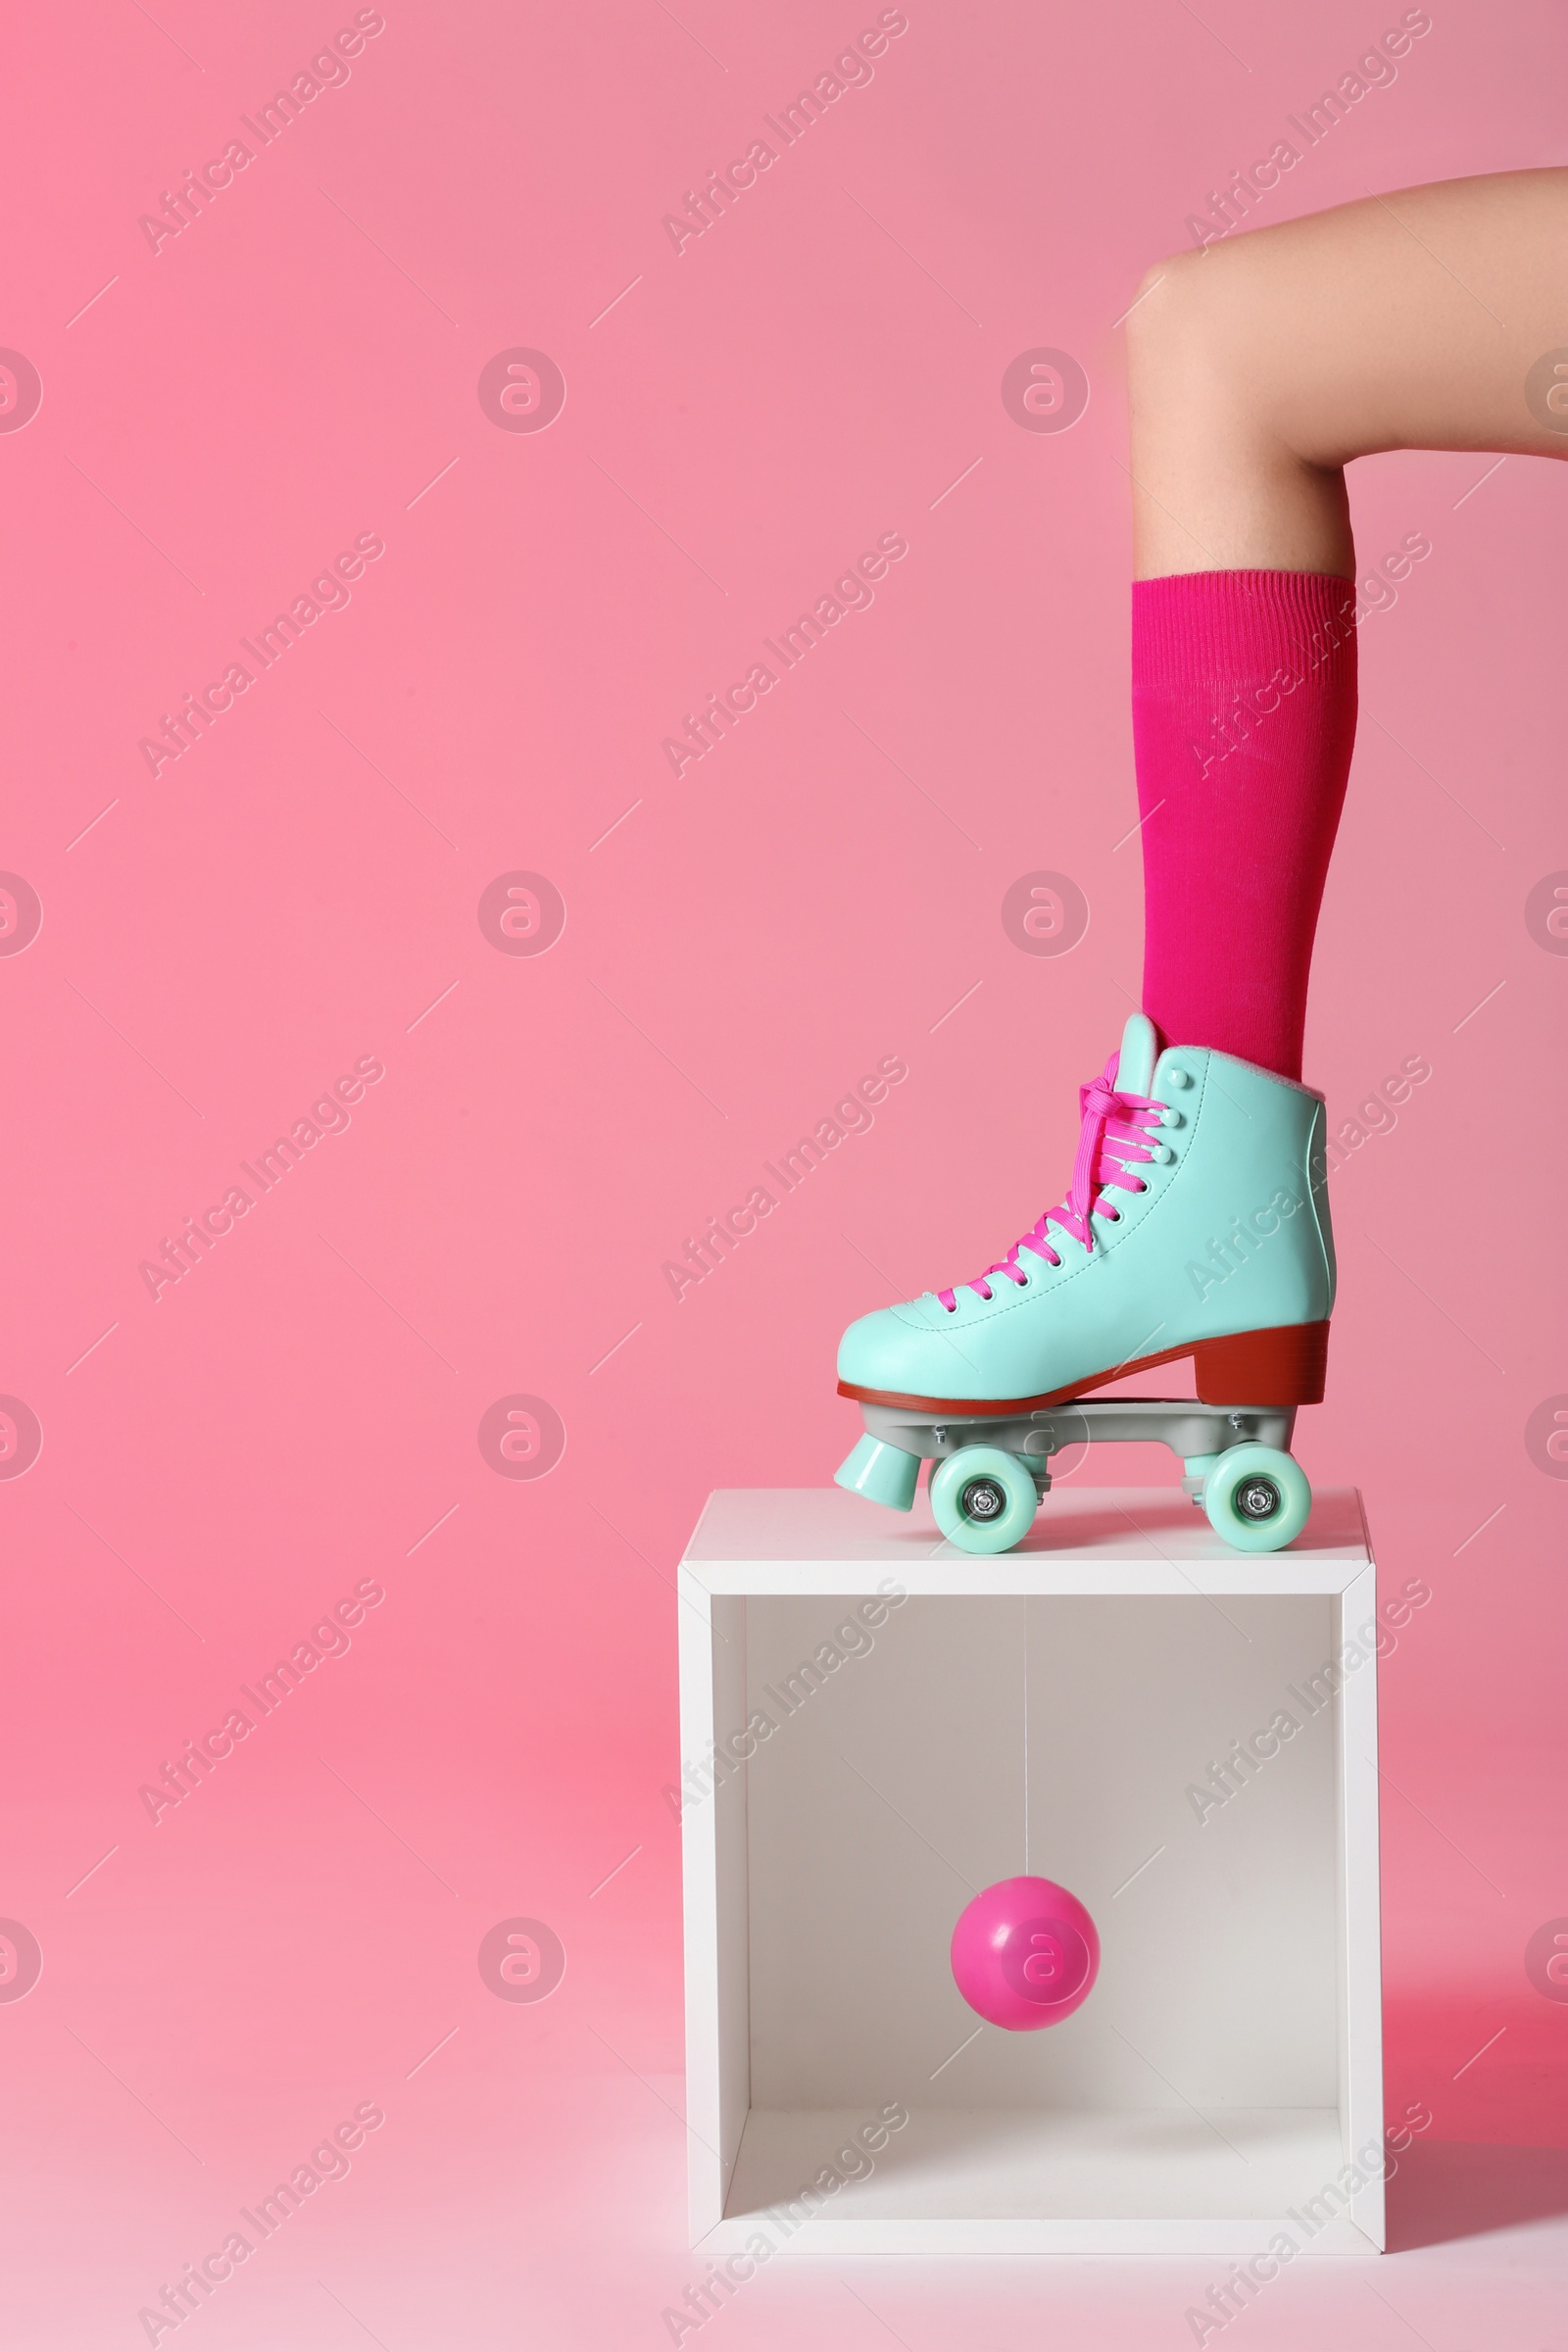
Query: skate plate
(1189, 1429)
(982, 1463)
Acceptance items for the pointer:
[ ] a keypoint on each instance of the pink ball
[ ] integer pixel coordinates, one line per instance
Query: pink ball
(1025, 1954)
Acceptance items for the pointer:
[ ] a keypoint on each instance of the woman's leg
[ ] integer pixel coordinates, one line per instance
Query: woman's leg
(1258, 368)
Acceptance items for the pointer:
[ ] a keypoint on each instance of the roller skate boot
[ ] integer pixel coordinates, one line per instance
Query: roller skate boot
(1196, 1226)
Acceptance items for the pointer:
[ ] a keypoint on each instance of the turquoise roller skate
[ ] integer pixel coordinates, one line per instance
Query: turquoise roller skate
(1196, 1224)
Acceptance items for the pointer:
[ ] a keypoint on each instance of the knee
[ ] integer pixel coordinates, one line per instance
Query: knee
(1175, 306)
(1187, 331)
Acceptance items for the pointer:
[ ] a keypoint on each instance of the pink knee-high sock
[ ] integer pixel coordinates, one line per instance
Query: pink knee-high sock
(1244, 718)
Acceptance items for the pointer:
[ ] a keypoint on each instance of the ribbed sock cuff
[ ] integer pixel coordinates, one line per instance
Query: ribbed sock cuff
(1242, 626)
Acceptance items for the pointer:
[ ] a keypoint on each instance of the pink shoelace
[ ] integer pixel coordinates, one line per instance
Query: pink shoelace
(1112, 1142)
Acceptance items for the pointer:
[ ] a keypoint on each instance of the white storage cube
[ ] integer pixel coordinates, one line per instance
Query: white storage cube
(866, 1716)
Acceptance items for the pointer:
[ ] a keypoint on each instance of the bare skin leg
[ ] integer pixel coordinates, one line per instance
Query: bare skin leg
(1260, 367)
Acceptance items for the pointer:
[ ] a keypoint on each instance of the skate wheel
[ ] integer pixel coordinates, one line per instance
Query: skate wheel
(984, 1499)
(1256, 1497)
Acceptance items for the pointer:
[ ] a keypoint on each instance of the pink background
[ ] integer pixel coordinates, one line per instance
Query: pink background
(300, 890)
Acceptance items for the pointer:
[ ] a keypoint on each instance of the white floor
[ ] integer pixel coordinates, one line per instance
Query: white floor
(1146, 2180)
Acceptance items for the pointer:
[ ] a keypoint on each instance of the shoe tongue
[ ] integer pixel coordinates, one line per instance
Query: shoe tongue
(1140, 1051)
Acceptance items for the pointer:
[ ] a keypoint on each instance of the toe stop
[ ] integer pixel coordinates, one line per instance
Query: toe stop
(881, 1472)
